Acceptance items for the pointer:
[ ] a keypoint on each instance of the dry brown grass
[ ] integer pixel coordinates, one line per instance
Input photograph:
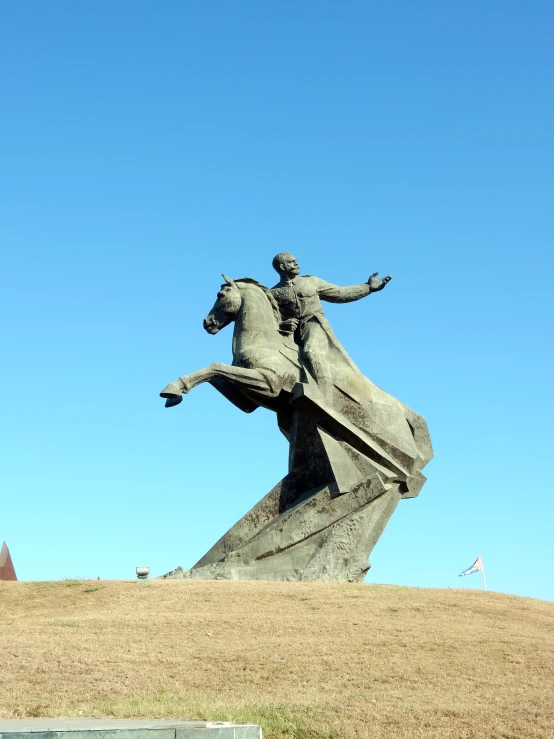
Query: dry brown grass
(304, 660)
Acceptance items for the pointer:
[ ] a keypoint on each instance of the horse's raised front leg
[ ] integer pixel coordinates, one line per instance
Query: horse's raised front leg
(251, 379)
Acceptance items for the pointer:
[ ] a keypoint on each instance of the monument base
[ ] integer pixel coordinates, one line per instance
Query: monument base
(320, 537)
(323, 519)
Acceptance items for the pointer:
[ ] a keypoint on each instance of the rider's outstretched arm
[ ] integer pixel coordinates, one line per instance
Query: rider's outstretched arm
(335, 294)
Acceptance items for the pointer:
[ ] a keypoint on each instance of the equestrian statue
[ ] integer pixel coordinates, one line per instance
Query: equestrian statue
(355, 451)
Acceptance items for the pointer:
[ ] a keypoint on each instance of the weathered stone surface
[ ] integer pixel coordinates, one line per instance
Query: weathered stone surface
(355, 451)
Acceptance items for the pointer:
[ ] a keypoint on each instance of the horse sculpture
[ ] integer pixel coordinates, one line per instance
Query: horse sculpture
(264, 362)
(353, 455)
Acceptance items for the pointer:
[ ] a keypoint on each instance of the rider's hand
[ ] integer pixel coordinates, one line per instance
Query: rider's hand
(375, 285)
(289, 326)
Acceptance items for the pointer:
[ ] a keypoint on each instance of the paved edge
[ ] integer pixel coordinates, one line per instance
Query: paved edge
(103, 728)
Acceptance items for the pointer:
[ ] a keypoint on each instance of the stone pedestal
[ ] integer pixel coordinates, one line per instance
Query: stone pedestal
(323, 519)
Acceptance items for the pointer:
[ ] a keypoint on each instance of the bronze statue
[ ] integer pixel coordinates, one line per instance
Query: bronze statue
(355, 451)
(299, 300)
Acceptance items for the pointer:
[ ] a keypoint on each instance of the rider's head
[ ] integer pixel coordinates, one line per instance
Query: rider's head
(285, 264)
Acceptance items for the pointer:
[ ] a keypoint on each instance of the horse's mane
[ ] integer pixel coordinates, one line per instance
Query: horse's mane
(268, 294)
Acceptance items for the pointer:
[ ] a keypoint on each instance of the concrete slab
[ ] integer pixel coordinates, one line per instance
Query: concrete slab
(120, 728)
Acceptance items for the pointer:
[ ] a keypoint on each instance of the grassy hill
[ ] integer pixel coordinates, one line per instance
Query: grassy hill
(303, 660)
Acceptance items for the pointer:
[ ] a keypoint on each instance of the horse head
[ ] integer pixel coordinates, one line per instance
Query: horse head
(225, 307)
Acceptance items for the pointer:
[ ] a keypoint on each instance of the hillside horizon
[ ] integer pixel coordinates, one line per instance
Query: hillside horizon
(330, 661)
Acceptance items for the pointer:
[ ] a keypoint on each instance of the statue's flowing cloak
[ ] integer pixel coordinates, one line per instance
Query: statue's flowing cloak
(395, 426)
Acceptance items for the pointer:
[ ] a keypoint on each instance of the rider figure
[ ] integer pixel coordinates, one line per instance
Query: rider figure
(299, 299)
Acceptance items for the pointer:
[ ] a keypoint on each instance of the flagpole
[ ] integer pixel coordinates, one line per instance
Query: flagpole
(483, 573)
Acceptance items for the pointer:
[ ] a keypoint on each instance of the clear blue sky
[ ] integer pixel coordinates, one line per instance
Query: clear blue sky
(148, 147)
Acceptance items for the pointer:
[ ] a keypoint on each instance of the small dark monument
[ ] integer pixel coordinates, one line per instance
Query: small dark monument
(7, 570)
(355, 451)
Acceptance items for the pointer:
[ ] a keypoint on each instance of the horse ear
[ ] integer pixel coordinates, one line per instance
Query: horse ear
(229, 281)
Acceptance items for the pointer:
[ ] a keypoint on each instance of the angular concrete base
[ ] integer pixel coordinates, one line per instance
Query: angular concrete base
(322, 520)
(110, 728)
(320, 538)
